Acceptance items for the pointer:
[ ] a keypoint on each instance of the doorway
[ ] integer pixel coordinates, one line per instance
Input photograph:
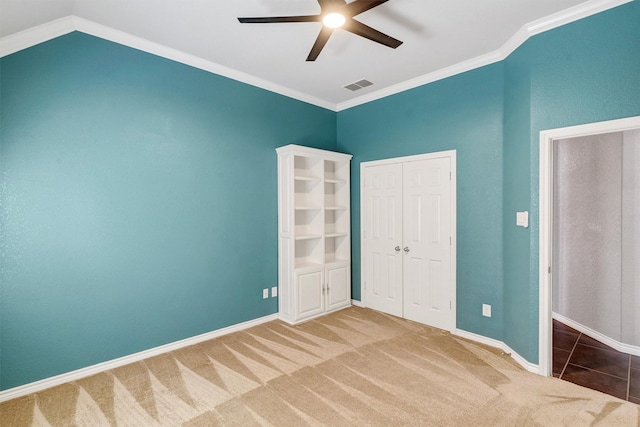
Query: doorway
(408, 237)
(547, 257)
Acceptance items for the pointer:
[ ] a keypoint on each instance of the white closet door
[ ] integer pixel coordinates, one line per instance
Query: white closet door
(426, 242)
(382, 238)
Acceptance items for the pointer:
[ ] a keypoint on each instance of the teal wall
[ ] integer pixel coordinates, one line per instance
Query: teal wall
(463, 113)
(583, 72)
(139, 202)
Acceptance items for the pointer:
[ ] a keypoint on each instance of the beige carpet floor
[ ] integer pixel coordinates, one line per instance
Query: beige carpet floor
(355, 367)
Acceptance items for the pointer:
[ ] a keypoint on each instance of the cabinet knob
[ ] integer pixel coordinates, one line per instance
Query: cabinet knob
(397, 248)
(406, 249)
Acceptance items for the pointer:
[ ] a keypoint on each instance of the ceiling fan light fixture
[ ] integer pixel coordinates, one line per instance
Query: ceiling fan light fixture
(333, 20)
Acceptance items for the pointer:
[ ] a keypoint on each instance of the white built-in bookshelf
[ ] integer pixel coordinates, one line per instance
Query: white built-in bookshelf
(314, 247)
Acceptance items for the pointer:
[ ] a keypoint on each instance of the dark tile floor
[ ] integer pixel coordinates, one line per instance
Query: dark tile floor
(582, 360)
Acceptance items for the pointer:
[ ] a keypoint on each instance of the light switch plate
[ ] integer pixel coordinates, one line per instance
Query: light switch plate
(274, 291)
(522, 219)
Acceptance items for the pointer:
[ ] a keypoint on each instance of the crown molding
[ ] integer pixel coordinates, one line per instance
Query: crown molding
(556, 20)
(441, 74)
(531, 29)
(126, 39)
(36, 35)
(27, 38)
(573, 14)
(42, 33)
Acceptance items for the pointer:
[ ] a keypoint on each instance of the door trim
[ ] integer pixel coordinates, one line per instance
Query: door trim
(545, 246)
(451, 154)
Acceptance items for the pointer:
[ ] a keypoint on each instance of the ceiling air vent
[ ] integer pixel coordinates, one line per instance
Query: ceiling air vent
(358, 85)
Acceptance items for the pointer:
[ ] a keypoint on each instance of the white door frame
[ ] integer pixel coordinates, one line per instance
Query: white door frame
(547, 137)
(451, 154)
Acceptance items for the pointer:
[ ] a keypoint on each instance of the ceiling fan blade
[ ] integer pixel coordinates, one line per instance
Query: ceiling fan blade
(276, 19)
(329, 5)
(322, 39)
(359, 6)
(367, 32)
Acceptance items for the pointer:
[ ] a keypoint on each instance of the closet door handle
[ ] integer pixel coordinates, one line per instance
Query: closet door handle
(397, 248)
(406, 249)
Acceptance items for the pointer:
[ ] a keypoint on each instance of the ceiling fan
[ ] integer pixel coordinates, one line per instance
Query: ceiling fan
(335, 14)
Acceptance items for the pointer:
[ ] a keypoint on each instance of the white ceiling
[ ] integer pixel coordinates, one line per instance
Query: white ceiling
(441, 37)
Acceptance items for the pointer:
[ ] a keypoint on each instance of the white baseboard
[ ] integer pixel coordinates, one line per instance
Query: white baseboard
(46, 383)
(622, 347)
(531, 367)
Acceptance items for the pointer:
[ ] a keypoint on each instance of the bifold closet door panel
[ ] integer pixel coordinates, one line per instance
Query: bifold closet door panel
(426, 241)
(382, 238)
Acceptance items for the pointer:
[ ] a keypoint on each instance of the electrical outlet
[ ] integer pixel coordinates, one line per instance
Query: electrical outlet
(274, 291)
(486, 310)
(265, 293)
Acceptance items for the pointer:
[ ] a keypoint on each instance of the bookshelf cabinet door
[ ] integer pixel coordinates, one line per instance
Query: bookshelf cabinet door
(310, 293)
